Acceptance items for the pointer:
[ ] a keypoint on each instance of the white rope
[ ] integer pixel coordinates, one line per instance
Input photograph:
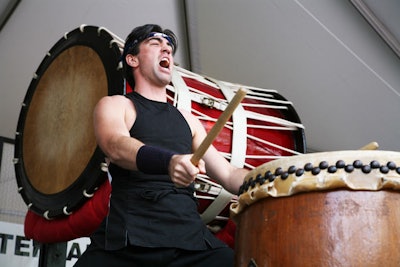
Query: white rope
(181, 91)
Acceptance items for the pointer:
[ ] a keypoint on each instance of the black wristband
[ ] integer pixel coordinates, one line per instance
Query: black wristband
(153, 160)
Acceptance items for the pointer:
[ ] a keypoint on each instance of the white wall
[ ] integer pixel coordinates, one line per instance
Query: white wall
(36, 25)
(321, 54)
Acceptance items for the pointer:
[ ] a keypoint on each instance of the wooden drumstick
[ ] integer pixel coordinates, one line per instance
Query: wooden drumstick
(370, 146)
(216, 129)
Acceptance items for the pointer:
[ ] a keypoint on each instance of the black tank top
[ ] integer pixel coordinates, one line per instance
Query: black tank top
(148, 210)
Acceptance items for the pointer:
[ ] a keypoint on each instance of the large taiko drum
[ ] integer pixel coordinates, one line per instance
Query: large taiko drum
(321, 209)
(57, 161)
(265, 126)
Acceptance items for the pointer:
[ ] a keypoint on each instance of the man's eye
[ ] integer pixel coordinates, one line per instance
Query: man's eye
(154, 41)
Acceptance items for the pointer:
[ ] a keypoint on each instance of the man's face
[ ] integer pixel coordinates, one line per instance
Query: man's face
(155, 60)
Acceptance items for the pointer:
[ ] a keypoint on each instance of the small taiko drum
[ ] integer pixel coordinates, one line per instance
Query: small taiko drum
(57, 161)
(321, 209)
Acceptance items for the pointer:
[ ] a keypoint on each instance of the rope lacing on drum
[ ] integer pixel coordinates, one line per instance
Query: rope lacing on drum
(269, 122)
(205, 185)
(217, 194)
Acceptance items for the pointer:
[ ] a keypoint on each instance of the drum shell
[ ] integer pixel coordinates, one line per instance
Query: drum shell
(258, 135)
(331, 228)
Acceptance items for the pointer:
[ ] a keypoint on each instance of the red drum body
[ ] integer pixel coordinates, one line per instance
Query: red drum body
(57, 161)
(322, 209)
(264, 127)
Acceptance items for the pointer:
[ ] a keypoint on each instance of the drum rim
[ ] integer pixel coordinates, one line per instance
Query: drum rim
(72, 197)
(299, 136)
(320, 172)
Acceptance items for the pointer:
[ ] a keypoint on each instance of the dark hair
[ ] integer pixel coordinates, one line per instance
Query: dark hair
(138, 35)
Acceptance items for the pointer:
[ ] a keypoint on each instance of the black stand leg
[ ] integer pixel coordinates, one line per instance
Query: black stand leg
(53, 255)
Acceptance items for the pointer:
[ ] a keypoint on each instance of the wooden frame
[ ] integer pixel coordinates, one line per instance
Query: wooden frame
(377, 25)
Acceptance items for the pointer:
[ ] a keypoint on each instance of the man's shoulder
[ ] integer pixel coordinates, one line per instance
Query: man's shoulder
(116, 98)
(114, 101)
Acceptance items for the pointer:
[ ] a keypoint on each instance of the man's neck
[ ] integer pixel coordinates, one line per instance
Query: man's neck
(154, 93)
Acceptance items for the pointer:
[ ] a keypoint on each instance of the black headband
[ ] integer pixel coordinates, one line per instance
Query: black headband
(135, 42)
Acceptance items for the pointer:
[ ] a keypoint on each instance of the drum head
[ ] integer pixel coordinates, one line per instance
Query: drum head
(58, 161)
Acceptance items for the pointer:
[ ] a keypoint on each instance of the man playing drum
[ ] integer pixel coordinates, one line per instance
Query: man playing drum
(153, 218)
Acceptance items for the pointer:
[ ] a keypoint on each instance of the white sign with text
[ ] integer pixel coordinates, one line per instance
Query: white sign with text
(17, 250)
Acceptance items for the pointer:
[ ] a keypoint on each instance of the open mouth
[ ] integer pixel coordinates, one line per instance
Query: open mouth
(164, 63)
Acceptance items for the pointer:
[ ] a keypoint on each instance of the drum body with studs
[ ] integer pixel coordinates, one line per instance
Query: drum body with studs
(321, 209)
